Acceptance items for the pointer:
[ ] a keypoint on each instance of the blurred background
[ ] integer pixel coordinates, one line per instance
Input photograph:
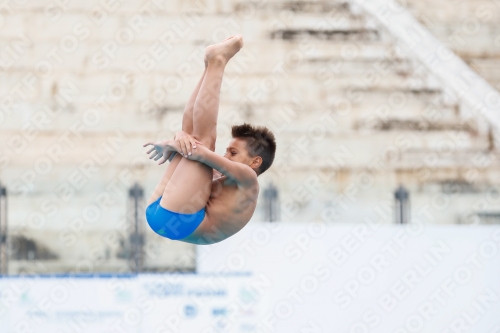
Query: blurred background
(386, 119)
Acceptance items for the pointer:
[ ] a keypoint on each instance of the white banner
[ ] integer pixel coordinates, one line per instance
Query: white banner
(368, 277)
(156, 303)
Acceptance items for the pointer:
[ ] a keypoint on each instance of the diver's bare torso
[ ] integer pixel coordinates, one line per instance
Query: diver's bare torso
(228, 210)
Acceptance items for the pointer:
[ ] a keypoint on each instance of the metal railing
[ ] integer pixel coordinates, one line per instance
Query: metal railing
(271, 203)
(402, 207)
(136, 236)
(4, 258)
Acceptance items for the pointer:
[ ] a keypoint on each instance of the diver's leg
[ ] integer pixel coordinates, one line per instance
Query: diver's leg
(187, 126)
(189, 187)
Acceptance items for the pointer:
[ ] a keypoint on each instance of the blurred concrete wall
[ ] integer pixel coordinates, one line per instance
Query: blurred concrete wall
(85, 84)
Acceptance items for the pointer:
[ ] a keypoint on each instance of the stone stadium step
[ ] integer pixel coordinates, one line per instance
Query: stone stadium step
(38, 169)
(395, 99)
(63, 145)
(72, 26)
(68, 193)
(363, 148)
(360, 67)
(41, 5)
(328, 34)
(90, 87)
(418, 176)
(85, 174)
(443, 13)
(415, 124)
(139, 118)
(340, 114)
(315, 57)
(483, 161)
(295, 6)
(97, 150)
(316, 51)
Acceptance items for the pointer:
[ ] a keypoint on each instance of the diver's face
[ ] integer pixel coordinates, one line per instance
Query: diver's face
(236, 151)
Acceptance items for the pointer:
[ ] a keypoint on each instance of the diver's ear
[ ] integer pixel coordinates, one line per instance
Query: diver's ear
(256, 162)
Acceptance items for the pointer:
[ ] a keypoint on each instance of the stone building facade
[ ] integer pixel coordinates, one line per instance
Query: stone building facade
(85, 84)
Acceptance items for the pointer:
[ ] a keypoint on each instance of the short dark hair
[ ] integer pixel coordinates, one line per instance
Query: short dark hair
(260, 142)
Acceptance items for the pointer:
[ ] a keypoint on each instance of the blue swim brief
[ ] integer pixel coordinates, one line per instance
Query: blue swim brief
(170, 224)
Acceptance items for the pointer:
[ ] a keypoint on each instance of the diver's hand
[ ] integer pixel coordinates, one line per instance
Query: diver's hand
(186, 143)
(161, 150)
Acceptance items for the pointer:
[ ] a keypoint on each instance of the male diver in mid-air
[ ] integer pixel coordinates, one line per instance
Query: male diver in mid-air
(205, 198)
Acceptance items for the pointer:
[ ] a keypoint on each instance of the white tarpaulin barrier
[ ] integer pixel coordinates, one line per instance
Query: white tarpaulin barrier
(156, 303)
(368, 277)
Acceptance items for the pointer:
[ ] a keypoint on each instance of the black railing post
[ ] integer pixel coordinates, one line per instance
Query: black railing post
(136, 194)
(4, 258)
(271, 203)
(402, 209)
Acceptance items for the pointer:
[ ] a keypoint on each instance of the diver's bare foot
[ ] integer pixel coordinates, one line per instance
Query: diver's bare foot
(221, 53)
